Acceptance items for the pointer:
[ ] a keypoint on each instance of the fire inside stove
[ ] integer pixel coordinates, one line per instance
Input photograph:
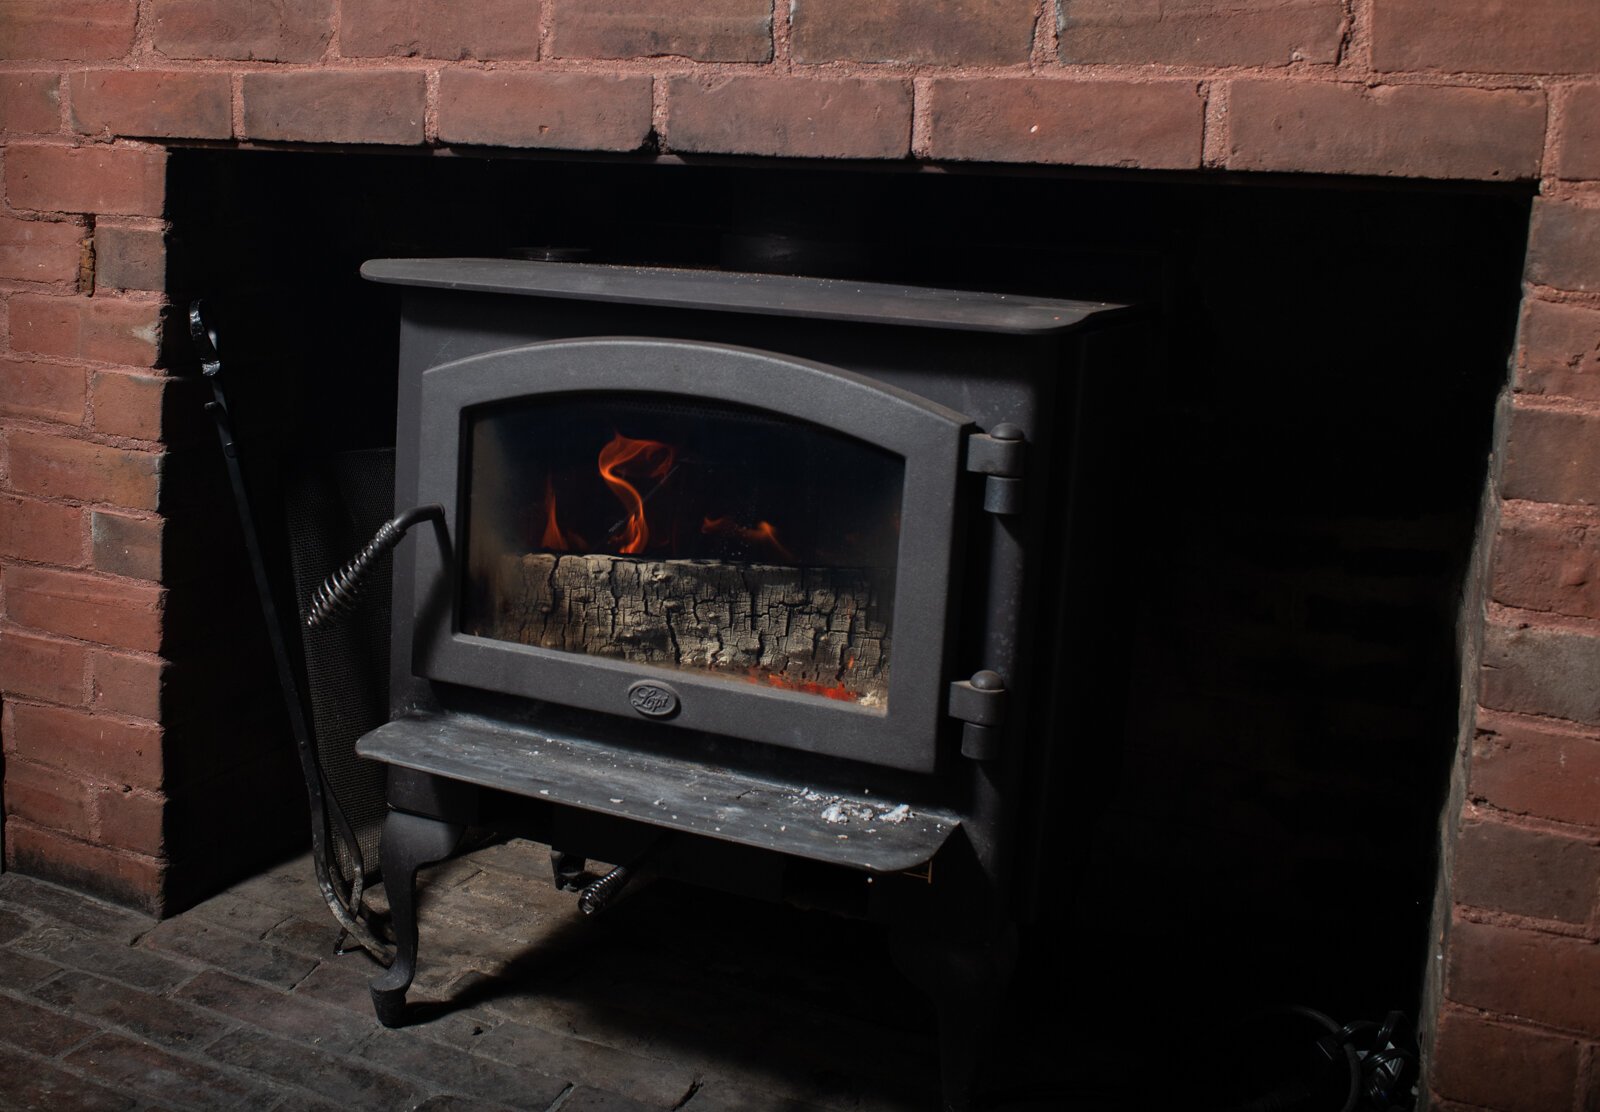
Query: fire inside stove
(704, 537)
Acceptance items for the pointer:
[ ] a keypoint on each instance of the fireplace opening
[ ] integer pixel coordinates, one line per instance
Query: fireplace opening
(1254, 721)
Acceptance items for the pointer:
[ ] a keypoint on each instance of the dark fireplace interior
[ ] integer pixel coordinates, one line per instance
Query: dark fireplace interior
(1258, 718)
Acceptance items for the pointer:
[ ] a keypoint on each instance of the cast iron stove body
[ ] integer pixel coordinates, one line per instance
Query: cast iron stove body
(742, 578)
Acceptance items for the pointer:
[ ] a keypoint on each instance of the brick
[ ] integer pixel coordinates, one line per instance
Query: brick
(59, 467)
(299, 1019)
(585, 1099)
(131, 404)
(243, 30)
(22, 972)
(32, 1083)
(44, 391)
(290, 884)
(1501, 1065)
(709, 31)
(631, 1075)
(575, 111)
(302, 936)
(338, 984)
(114, 958)
(143, 1068)
(1201, 32)
(132, 820)
(1552, 455)
(1547, 562)
(44, 1032)
(1486, 36)
(302, 1102)
(1389, 131)
(124, 545)
(11, 925)
(1156, 124)
(245, 956)
(488, 30)
(361, 106)
(943, 33)
(40, 531)
(340, 1080)
(1526, 872)
(39, 250)
(30, 101)
(126, 684)
(245, 916)
(109, 749)
(62, 907)
(466, 1074)
(1545, 978)
(168, 1023)
(1560, 351)
(39, 668)
(111, 181)
(105, 329)
(187, 104)
(113, 874)
(1564, 246)
(83, 30)
(833, 118)
(1535, 768)
(47, 797)
(1541, 671)
(123, 613)
(1578, 140)
(129, 258)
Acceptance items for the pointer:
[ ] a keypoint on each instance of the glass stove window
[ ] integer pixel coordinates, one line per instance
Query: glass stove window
(693, 536)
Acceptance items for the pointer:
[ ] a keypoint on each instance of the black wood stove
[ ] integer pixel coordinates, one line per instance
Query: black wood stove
(746, 579)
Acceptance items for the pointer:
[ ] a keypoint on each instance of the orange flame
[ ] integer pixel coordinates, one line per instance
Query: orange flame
(619, 452)
(763, 533)
(554, 538)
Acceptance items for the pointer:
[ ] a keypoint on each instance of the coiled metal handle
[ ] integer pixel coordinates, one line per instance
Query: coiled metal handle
(336, 595)
(597, 895)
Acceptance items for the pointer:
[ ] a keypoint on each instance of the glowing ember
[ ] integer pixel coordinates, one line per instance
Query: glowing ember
(837, 691)
(655, 460)
(763, 533)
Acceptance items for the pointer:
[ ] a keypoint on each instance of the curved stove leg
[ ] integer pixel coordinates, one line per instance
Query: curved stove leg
(409, 842)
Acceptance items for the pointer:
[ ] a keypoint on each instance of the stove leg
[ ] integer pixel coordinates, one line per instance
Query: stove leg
(967, 981)
(409, 842)
(568, 870)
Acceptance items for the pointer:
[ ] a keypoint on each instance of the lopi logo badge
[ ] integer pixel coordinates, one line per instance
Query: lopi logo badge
(653, 699)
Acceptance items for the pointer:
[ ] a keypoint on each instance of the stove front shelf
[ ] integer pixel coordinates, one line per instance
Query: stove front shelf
(862, 832)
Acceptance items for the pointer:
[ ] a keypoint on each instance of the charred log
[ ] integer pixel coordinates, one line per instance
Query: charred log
(824, 630)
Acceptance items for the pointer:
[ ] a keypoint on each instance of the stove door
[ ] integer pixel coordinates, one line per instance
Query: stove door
(720, 538)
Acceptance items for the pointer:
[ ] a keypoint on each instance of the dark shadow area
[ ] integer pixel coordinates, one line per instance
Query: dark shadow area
(795, 1001)
(1255, 730)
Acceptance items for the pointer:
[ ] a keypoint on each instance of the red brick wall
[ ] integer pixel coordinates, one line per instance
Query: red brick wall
(1476, 89)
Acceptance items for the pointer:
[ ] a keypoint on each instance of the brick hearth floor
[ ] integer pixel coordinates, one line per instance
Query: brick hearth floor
(673, 998)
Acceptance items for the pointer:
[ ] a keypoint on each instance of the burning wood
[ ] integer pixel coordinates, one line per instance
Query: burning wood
(820, 630)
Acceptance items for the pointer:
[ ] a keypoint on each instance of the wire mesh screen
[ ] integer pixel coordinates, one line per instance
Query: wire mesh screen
(333, 506)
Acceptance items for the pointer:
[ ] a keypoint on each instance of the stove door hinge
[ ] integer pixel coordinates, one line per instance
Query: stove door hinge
(998, 455)
(980, 703)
